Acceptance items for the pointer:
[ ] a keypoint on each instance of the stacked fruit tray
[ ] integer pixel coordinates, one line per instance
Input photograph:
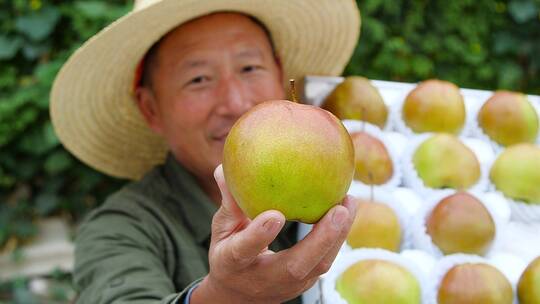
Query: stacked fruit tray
(448, 184)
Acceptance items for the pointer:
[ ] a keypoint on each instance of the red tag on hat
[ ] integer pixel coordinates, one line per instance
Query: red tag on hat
(138, 75)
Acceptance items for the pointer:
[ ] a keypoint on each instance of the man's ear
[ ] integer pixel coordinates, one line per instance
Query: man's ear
(148, 106)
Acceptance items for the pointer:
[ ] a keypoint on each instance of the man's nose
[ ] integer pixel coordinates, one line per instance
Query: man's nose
(233, 100)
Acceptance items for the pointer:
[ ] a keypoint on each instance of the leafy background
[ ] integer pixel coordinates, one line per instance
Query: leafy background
(481, 44)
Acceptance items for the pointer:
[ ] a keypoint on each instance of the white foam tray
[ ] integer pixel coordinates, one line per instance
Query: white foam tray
(517, 240)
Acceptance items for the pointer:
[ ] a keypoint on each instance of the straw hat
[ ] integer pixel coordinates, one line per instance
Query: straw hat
(92, 105)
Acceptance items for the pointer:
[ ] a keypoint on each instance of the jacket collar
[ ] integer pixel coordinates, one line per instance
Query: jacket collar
(196, 206)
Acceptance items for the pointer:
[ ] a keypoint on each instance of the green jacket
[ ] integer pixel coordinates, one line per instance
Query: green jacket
(148, 243)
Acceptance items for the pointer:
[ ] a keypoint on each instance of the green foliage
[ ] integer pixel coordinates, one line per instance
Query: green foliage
(481, 44)
(57, 289)
(38, 178)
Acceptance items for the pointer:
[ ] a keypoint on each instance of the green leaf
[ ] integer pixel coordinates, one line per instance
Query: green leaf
(9, 46)
(60, 293)
(375, 29)
(45, 73)
(50, 138)
(46, 203)
(486, 72)
(3, 236)
(93, 9)
(506, 43)
(39, 140)
(15, 116)
(370, 6)
(522, 10)
(57, 162)
(38, 25)
(24, 228)
(88, 180)
(34, 50)
(8, 76)
(422, 66)
(20, 282)
(53, 184)
(509, 76)
(23, 295)
(27, 169)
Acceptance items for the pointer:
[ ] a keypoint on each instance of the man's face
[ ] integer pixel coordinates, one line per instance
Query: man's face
(210, 71)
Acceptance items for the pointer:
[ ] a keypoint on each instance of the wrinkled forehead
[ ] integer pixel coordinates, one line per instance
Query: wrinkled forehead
(217, 20)
(193, 30)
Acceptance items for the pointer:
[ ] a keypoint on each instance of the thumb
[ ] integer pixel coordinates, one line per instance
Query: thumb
(244, 246)
(229, 217)
(227, 200)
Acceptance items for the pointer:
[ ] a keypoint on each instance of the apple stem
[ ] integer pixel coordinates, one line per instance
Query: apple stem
(293, 90)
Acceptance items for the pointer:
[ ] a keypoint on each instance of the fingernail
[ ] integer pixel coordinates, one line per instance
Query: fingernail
(271, 225)
(216, 172)
(338, 219)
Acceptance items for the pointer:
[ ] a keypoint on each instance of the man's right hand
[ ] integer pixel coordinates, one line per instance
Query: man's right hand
(243, 270)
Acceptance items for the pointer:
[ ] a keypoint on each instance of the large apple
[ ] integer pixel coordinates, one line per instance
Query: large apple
(516, 172)
(378, 281)
(473, 283)
(372, 161)
(443, 161)
(509, 118)
(294, 158)
(375, 225)
(529, 284)
(434, 106)
(356, 98)
(461, 223)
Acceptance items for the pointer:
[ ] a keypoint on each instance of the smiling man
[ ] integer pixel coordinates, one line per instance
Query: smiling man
(201, 78)
(152, 98)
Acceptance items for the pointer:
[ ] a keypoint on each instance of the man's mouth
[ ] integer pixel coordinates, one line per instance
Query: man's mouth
(220, 137)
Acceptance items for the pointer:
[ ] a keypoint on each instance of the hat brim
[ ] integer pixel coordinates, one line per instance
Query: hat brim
(92, 107)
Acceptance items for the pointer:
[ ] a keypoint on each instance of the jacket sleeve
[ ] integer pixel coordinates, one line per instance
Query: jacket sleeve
(118, 260)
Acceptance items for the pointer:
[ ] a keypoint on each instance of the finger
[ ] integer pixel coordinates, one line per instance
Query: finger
(308, 253)
(227, 200)
(351, 203)
(244, 247)
(309, 283)
(301, 288)
(326, 262)
(229, 216)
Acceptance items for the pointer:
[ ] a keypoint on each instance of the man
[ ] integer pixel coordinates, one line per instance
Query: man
(209, 64)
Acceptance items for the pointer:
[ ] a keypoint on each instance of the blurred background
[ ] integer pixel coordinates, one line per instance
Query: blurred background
(481, 44)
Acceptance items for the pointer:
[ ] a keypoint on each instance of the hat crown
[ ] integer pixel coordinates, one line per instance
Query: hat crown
(140, 4)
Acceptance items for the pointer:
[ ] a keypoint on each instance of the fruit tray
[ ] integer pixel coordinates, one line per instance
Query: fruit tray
(316, 88)
(518, 233)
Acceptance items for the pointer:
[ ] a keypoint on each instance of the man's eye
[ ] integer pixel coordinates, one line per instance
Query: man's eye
(249, 68)
(199, 80)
